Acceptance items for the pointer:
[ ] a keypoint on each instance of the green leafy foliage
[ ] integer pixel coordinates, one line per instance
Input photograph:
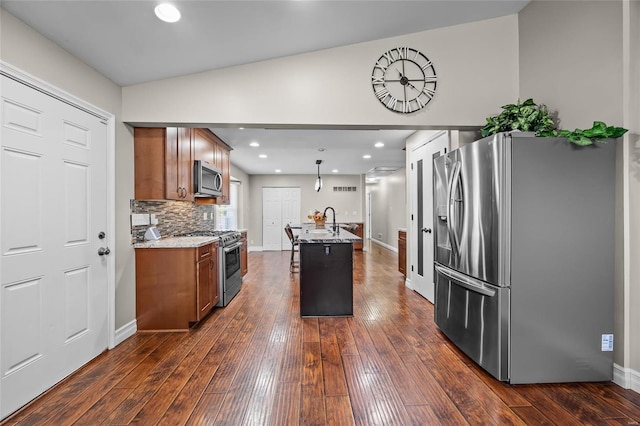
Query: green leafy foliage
(525, 116)
(530, 117)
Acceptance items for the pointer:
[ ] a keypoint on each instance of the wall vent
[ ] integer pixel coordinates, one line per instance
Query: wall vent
(345, 189)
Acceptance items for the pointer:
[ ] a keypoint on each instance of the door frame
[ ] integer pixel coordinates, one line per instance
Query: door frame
(416, 141)
(35, 83)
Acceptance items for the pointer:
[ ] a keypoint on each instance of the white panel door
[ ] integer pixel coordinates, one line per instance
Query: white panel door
(290, 212)
(421, 228)
(272, 226)
(53, 194)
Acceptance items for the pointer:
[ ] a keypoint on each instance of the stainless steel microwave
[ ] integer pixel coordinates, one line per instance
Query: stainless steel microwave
(207, 179)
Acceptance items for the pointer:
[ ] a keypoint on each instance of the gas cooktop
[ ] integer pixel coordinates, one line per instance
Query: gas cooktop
(226, 236)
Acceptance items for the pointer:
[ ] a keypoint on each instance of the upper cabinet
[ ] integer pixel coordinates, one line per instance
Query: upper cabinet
(210, 148)
(164, 162)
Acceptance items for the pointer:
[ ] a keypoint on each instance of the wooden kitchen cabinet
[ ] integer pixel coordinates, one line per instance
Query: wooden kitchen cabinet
(207, 280)
(175, 287)
(244, 254)
(360, 233)
(163, 161)
(210, 148)
(402, 252)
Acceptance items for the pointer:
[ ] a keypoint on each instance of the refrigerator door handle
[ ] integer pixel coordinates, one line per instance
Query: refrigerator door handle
(465, 281)
(452, 225)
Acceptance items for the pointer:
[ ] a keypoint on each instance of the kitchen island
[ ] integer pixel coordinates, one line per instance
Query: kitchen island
(326, 272)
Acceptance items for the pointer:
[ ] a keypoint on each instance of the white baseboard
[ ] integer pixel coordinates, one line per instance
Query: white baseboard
(387, 246)
(126, 331)
(626, 378)
(407, 282)
(254, 248)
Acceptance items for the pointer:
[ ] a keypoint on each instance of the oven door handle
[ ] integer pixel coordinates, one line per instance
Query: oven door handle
(233, 247)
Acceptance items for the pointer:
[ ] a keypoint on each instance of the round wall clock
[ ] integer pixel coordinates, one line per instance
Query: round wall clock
(404, 80)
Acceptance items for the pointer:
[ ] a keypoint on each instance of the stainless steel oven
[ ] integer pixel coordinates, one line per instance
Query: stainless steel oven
(230, 278)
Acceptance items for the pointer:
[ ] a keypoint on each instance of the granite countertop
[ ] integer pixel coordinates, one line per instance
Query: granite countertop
(312, 235)
(177, 242)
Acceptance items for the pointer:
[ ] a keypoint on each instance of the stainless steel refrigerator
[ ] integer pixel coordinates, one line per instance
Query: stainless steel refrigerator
(524, 256)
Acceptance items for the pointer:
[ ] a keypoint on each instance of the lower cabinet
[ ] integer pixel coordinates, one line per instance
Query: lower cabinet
(244, 260)
(360, 233)
(402, 252)
(175, 287)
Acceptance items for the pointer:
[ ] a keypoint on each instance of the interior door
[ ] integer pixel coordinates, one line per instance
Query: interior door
(421, 227)
(272, 226)
(290, 212)
(53, 193)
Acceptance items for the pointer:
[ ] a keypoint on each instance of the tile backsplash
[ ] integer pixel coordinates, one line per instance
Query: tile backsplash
(174, 217)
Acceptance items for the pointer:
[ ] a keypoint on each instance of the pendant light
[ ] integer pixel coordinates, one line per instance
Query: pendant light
(318, 186)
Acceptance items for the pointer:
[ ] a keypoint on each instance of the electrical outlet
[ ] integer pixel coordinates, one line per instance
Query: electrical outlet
(204, 216)
(139, 219)
(154, 219)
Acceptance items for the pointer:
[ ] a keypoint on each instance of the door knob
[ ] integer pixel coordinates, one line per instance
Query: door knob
(427, 230)
(103, 251)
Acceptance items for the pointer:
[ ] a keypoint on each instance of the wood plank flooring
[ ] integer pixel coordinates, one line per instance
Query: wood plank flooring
(256, 362)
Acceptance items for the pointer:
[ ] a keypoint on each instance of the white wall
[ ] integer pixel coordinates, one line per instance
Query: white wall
(344, 203)
(574, 59)
(30, 52)
(476, 64)
(631, 91)
(388, 207)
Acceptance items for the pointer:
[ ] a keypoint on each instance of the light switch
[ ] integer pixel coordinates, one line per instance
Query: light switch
(154, 219)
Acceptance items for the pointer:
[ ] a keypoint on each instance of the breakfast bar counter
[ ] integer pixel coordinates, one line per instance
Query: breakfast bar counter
(326, 272)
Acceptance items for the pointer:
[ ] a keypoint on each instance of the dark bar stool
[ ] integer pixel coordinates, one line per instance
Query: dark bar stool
(295, 247)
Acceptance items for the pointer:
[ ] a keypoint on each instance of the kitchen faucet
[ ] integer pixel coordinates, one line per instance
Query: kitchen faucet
(335, 228)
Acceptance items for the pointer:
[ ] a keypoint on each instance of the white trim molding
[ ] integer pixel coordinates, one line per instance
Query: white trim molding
(626, 378)
(387, 246)
(254, 248)
(126, 331)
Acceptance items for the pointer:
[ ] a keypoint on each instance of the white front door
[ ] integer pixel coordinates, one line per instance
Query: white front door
(53, 194)
(421, 227)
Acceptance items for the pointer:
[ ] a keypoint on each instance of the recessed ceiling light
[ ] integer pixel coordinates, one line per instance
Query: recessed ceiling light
(167, 12)
(254, 144)
(366, 156)
(379, 145)
(278, 171)
(262, 155)
(334, 171)
(240, 128)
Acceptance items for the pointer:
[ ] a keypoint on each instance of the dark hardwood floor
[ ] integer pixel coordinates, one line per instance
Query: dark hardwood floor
(256, 362)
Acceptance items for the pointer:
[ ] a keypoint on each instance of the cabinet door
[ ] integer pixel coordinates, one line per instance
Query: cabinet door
(205, 293)
(402, 253)
(225, 165)
(204, 148)
(244, 264)
(360, 233)
(178, 164)
(215, 285)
